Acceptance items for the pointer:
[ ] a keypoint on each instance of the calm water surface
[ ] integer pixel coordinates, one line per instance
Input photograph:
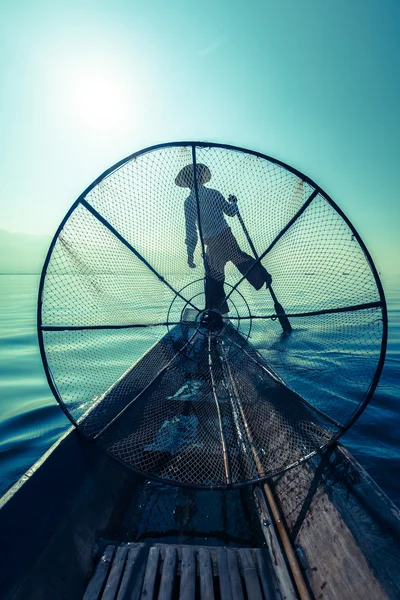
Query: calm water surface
(30, 419)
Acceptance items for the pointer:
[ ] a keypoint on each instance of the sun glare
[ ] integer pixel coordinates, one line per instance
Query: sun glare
(99, 99)
(97, 90)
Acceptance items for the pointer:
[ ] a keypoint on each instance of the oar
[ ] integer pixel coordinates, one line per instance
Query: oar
(283, 320)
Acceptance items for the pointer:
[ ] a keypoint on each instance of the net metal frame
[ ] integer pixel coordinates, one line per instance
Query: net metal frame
(174, 356)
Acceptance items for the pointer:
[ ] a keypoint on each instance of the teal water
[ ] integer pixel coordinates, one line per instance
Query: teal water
(31, 420)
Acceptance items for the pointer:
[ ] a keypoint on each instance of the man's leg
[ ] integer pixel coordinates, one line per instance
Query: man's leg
(258, 276)
(215, 276)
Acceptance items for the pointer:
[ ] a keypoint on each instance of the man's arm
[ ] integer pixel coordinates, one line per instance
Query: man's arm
(229, 208)
(191, 231)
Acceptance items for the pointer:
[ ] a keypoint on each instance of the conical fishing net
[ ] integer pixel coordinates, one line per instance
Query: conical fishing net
(208, 315)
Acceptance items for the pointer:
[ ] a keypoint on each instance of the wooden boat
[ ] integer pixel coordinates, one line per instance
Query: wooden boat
(202, 471)
(80, 525)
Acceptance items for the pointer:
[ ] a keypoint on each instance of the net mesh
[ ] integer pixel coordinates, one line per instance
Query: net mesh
(209, 317)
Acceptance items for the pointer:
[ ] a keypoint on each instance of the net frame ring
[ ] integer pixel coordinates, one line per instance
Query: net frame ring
(47, 328)
(188, 323)
(211, 322)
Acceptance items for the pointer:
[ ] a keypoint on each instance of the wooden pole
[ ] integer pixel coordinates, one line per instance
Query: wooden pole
(279, 310)
(286, 543)
(227, 467)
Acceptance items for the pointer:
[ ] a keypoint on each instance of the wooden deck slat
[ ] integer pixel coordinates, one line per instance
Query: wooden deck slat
(250, 574)
(117, 567)
(206, 575)
(94, 589)
(168, 574)
(151, 574)
(225, 589)
(188, 574)
(132, 572)
(234, 575)
(131, 584)
(266, 577)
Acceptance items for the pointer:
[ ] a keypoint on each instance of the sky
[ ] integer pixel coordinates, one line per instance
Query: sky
(313, 83)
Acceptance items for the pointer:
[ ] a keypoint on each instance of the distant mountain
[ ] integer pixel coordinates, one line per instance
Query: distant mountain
(22, 252)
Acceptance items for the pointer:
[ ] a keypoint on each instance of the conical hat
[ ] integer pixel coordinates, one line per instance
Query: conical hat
(185, 175)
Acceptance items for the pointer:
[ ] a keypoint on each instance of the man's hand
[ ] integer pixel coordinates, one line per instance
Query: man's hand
(191, 263)
(232, 198)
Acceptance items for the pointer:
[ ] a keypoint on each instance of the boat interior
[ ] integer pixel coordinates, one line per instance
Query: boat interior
(80, 524)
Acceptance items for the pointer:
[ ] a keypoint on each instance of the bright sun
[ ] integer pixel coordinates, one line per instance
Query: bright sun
(99, 99)
(95, 84)
(97, 93)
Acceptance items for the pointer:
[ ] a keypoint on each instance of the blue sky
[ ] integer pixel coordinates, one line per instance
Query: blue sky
(311, 82)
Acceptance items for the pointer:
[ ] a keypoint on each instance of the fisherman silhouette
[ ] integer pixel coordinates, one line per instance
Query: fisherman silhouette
(220, 244)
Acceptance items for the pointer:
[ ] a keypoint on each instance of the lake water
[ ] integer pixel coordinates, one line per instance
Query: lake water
(31, 420)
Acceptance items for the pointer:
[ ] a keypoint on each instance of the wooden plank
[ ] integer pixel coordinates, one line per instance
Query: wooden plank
(267, 578)
(168, 574)
(151, 574)
(96, 583)
(131, 584)
(234, 575)
(188, 574)
(333, 557)
(225, 589)
(117, 567)
(276, 557)
(333, 530)
(206, 575)
(250, 574)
